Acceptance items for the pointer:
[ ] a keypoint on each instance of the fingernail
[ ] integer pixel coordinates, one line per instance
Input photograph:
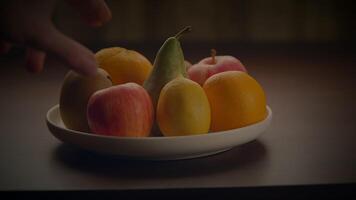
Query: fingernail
(89, 66)
(95, 23)
(92, 70)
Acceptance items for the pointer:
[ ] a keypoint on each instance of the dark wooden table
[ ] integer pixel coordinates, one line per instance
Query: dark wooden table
(312, 139)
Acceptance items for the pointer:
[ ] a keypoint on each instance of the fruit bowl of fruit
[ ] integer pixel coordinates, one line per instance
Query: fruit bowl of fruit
(165, 111)
(156, 148)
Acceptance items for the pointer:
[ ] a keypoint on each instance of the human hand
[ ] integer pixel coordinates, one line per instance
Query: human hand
(28, 22)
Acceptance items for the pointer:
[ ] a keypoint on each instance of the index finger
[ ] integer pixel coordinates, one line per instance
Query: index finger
(78, 57)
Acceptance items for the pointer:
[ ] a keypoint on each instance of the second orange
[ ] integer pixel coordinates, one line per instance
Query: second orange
(124, 65)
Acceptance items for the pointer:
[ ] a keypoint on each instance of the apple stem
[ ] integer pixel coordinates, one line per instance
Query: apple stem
(213, 54)
(183, 31)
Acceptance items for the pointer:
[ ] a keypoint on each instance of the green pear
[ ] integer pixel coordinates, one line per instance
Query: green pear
(75, 93)
(168, 64)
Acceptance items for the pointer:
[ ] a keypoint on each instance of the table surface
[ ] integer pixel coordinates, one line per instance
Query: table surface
(312, 138)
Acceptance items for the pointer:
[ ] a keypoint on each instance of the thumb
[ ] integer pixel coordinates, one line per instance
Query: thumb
(78, 57)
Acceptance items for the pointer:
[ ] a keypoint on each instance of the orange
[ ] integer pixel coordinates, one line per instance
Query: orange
(236, 100)
(124, 65)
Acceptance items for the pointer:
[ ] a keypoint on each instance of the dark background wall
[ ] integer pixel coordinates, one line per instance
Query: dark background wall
(251, 21)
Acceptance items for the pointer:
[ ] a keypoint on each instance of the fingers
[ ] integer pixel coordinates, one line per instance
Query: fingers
(4, 47)
(79, 58)
(34, 60)
(94, 12)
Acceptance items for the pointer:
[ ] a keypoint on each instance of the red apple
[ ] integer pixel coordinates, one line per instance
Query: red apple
(212, 65)
(121, 110)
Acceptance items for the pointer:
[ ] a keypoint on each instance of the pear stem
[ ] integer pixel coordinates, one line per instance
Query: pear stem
(213, 54)
(183, 31)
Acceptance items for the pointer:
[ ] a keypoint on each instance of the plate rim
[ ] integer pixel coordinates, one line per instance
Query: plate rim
(209, 134)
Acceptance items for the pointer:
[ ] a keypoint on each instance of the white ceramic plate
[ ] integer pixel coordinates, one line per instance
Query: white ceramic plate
(156, 148)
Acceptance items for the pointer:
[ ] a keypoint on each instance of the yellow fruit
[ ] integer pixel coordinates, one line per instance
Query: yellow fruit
(183, 108)
(236, 100)
(124, 65)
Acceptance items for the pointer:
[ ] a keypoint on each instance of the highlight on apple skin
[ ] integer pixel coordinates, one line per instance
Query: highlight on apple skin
(209, 66)
(121, 110)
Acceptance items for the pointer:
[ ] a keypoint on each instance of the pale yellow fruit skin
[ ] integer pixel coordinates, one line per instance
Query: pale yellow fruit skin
(183, 109)
(236, 100)
(124, 65)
